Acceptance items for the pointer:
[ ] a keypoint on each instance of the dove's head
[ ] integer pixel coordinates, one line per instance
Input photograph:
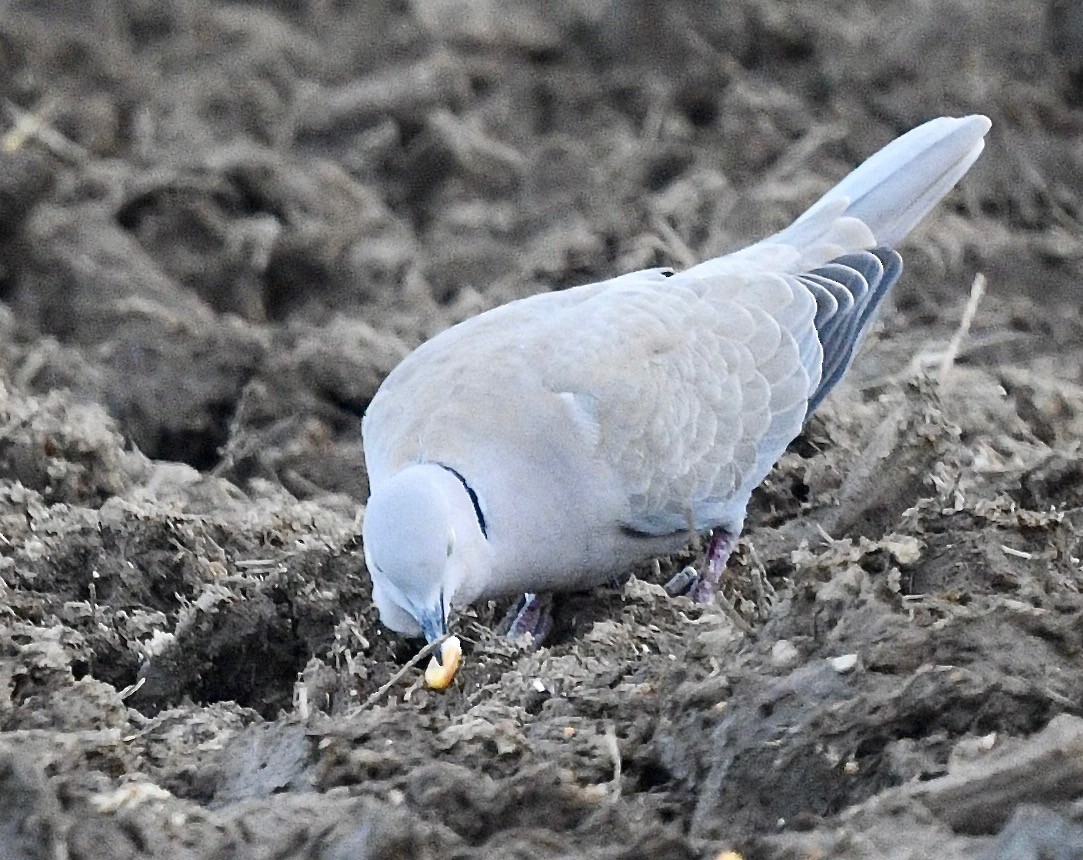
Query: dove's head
(425, 547)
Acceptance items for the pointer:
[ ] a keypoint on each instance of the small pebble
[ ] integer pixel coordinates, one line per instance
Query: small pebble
(844, 663)
(784, 653)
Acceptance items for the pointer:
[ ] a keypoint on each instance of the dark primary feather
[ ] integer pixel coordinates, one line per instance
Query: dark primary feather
(847, 291)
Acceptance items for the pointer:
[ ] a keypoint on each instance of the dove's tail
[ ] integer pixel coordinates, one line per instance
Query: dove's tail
(895, 188)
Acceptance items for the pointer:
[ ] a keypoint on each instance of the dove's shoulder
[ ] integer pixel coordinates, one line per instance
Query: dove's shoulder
(469, 385)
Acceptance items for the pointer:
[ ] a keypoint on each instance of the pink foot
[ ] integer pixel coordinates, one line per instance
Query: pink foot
(702, 586)
(532, 616)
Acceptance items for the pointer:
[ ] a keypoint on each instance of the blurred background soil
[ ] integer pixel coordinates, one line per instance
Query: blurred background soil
(222, 224)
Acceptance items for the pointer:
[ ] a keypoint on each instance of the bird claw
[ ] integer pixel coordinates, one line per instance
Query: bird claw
(531, 617)
(682, 582)
(690, 583)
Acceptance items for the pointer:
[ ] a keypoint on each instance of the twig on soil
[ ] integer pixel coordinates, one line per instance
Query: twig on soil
(687, 28)
(406, 90)
(730, 611)
(239, 443)
(765, 592)
(27, 125)
(1045, 768)
(477, 154)
(799, 154)
(923, 360)
(977, 290)
(406, 667)
(614, 754)
(825, 535)
(257, 565)
(298, 484)
(678, 249)
(131, 689)
(93, 596)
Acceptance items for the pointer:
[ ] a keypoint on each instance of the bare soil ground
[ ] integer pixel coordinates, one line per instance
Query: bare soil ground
(222, 224)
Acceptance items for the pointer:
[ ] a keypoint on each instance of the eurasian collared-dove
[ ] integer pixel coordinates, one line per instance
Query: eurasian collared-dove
(550, 443)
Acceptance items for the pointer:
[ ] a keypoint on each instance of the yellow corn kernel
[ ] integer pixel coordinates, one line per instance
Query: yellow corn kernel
(439, 677)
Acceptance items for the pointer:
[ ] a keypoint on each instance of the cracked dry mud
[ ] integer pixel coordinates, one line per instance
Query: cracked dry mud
(221, 225)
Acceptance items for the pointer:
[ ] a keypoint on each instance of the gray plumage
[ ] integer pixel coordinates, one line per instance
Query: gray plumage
(551, 442)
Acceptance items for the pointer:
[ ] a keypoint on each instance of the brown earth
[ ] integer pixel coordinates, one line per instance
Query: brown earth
(222, 224)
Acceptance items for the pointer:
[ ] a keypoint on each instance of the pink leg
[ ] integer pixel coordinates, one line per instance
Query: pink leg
(722, 544)
(702, 586)
(532, 616)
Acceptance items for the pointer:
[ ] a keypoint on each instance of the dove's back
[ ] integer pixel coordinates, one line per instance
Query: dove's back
(599, 425)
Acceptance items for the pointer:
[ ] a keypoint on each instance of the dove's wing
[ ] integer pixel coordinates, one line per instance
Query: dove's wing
(692, 389)
(696, 386)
